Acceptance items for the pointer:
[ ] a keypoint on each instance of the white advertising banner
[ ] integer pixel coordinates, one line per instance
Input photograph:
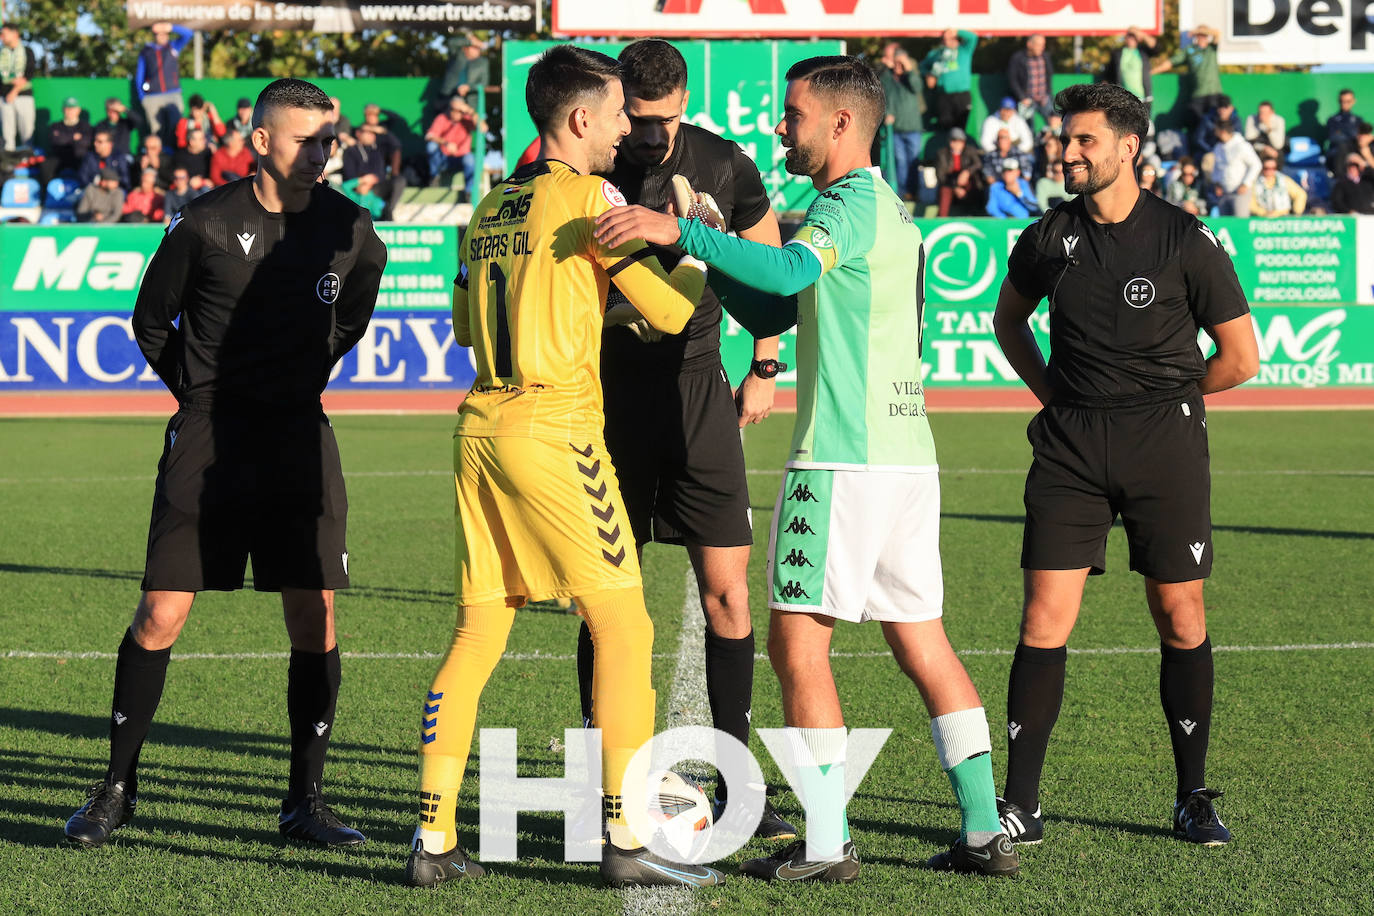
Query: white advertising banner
(807, 18)
(1286, 31)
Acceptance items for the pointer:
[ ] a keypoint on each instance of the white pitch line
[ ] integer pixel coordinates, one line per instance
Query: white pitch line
(687, 705)
(676, 704)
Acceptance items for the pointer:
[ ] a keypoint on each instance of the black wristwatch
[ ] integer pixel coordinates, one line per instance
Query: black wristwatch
(767, 368)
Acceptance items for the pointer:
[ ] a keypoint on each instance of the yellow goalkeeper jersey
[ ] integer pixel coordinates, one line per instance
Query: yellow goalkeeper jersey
(529, 301)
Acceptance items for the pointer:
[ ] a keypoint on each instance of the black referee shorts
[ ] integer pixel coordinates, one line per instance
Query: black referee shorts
(234, 486)
(1147, 463)
(675, 443)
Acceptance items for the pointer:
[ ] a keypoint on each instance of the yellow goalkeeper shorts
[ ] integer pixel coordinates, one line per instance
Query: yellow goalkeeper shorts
(537, 520)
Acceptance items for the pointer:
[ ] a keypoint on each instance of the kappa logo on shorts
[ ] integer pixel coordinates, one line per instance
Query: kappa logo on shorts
(802, 493)
(799, 526)
(327, 288)
(1139, 293)
(796, 558)
(793, 589)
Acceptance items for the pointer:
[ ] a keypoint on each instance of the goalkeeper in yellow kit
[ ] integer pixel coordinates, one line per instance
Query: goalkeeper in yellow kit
(539, 512)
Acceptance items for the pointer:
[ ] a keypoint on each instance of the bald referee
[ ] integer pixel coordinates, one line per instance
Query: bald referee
(258, 288)
(1130, 280)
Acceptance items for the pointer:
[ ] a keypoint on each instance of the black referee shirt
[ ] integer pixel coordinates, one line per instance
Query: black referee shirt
(719, 167)
(1126, 299)
(267, 302)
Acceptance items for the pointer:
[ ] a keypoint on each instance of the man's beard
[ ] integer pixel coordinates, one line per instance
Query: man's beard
(646, 157)
(802, 160)
(1093, 179)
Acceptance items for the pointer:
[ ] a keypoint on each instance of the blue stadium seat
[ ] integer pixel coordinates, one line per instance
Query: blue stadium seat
(20, 191)
(1303, 151)
(63, 193)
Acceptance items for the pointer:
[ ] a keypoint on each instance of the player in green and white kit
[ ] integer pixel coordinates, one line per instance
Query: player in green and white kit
(856, 531)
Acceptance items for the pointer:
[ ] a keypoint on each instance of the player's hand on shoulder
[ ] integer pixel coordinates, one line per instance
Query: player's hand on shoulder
(619, 225)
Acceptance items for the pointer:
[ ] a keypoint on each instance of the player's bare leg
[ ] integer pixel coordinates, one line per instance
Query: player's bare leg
(312, 693)
(1185, 692)
(1036, 690)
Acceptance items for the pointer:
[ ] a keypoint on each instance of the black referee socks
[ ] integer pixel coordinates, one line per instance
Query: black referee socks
(730, 686)
(1185, 691)
(139, 677)
(312, 691)
(1034, 694)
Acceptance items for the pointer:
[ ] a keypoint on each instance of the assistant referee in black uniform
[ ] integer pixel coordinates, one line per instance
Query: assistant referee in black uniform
(273, 279)
(672, 421)
(1130, 279)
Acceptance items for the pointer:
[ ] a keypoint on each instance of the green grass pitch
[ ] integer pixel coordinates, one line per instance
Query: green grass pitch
(1292, 494)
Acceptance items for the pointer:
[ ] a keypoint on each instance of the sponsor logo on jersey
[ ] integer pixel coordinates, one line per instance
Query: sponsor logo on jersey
(1138, 293)
(612, 194)
(327, 288)
(799, 526)
(821, 239)
(1070, 243)
(246, 241)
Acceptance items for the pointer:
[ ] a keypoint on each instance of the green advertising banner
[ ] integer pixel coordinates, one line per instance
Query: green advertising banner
(83, 267)
(735, 90)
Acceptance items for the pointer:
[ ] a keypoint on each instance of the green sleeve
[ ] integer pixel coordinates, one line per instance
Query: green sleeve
(761, 314)
(783, 271)
(968, 38)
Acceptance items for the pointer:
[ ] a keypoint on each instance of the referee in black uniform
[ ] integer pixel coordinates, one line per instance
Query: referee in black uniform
(273, 279)
(672, 422)
(1130, 279)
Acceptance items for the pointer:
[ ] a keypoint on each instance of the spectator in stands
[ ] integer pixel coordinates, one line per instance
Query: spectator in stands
(1148, 178)
(232, 161)
(180, 193)
(17, 112)
(1202, 88)
(1340, 130)
(201, 115)
(1012, 195)
(1029, 74)
(1353, 191)
(897, 72)
(157, 78)
(363, 192)
(242, 121)
(1234, 170)
(1184, 188)
(102, 201)
(1004, 148)
(1267, 132)
(1364, 142)
(1129, 65)
(1205, 137)
(448, 143)
(195, 159)
(959, 173)
(367, 157)
(386, 141)
(1048, 149)
(468, 71)
(948, 72)
(343, 128)
(153, 157)
(1049, 191)
(1006, 118)
(145, 203)
(69, 140)
(102, 157)
(120, 127)
(1276, 194)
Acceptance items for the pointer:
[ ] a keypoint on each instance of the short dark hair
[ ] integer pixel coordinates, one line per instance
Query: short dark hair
(849, 80)
(652, 69)
(1363, 127)
(196, 101)
(1266, 102)
(1125, 113)
(563, 77)
(103, 131)
(1345, 92)
(289, 93)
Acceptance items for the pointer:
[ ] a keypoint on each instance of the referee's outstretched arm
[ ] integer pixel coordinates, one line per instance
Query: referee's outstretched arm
(1010, 322)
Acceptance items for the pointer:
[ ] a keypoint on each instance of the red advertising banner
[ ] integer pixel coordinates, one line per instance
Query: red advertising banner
(807, 18)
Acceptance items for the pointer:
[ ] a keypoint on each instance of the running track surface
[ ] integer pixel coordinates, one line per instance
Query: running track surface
(144, 403)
